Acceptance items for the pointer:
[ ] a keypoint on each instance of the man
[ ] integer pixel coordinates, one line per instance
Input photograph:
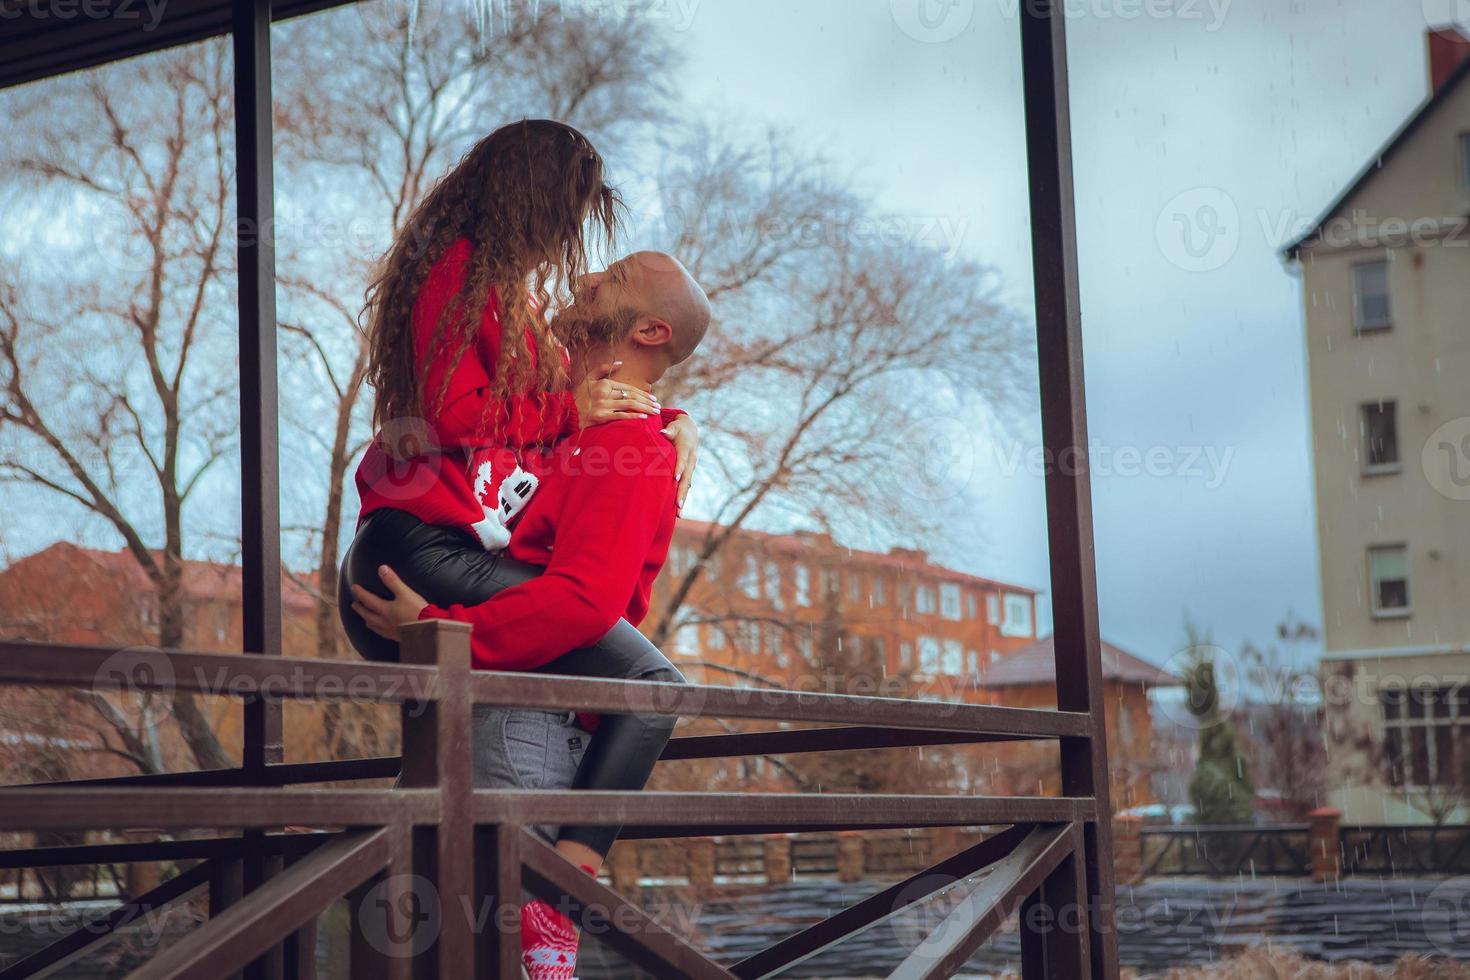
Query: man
(598, 528)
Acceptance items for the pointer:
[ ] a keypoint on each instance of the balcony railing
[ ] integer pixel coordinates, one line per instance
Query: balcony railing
(433, 841)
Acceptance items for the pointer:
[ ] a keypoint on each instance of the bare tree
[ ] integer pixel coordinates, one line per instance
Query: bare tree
(809, 390)
(114, 377)
(1284, 723)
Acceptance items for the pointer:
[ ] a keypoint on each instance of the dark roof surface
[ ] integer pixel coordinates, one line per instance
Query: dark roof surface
(1036, 664)
(41, 38)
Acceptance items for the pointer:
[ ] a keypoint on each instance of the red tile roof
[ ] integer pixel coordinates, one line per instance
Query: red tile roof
(1036, 664)
(810, 542)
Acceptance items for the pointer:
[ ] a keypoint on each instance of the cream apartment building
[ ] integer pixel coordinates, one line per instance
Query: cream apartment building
(1386, 289)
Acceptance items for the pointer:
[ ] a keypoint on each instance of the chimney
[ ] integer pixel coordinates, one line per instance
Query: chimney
(1448, 49)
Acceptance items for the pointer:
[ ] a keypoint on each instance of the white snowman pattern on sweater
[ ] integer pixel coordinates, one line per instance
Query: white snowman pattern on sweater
(509, 498)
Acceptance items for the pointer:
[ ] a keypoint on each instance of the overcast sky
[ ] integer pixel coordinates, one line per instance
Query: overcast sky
(1239, 119)
(1205, 132)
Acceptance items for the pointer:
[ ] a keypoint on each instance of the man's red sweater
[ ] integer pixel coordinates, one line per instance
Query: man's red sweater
(463, 453)
(600, 524)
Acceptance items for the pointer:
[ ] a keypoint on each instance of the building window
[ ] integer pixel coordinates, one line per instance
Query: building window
(750, 577)
(1426, 735)
(775, 645)
(686, 640)
(992, 609)
(852, 644)
(880, 594)
(747, 638)
(831, 582)
(854, 587)
(1388, 576)
(972, 606)
(924, 603)
(905, 656)
(714, 636)
(878, 650)
(974, 661)
(1018, 616)
(773, 584)
(954, 657)
(804, 645)
(928, 655)
(949, 600)
(1380, 437)
(1370, 295)
(803, 577)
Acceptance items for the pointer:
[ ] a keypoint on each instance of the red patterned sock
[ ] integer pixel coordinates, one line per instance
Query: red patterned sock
(548, 941)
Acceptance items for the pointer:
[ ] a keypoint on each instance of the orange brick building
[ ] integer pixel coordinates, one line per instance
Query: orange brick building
(792, 607)
(69, 594)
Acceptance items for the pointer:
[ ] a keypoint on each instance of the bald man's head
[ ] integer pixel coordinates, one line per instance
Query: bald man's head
(670, 293)
(647, 298)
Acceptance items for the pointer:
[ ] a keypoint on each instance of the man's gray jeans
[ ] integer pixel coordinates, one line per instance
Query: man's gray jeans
(523, 748)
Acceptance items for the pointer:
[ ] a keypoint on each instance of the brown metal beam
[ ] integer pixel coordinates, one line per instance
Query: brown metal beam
(279, 907)
(221, 674)
(142, 851)
(603, 913)
(692, 700)
(188, 809)
(879, 907)
(282, 774)
(767, 810)
(840, 739)
(100, 928)
(1000, 893)
(1064, 436)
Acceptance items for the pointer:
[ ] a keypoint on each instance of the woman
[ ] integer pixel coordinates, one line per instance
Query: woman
(469, 387)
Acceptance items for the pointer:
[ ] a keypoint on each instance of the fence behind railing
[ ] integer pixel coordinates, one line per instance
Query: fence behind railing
(1323, 848)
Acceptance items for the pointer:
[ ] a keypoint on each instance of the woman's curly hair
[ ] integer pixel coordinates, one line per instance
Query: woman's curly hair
(524, 197)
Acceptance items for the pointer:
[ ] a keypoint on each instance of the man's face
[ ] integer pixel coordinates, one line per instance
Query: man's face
(602, 308)
(618, 287)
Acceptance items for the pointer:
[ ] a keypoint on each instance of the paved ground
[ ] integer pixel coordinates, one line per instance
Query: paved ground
(1168, 922)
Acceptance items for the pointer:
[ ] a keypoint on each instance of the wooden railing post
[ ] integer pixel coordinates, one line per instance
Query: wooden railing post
(437, 754)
